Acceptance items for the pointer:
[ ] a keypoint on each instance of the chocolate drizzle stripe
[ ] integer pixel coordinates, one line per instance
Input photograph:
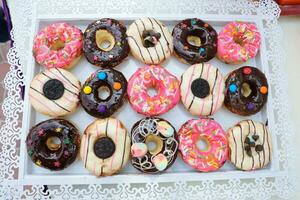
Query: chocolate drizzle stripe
(124, 149)
(137, 47)
(66, 78)
(242, 143)
(87, 150)
(162, 49)
(106, 126)
(212, 96)
(163, 34)
(194, 95)
(268, 144)
(180, 80)
(50, 100)
(255, 134)
(141, 38)
(101, 170)
(235, 147)
(263, 144)
(155, 45)
(247, 136)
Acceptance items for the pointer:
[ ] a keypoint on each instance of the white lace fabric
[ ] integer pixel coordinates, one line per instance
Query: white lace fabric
(25, 12)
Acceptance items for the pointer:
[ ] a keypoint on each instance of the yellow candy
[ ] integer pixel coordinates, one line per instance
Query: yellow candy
(87, 90)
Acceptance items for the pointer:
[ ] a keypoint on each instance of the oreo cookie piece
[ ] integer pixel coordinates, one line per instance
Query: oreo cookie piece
(104, 147)
(53, 89)
(200, 88)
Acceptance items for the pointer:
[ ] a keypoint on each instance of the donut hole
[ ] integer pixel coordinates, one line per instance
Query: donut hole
(53, 143)
(57, 45)
(105, 40)
(196, 37)
(104, 92)
(152, 91)
(202, 144)
(154, 144)
(238, 39)
(248, 90)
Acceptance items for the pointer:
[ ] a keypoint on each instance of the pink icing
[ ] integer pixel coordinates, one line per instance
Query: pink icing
(217, 153)
(69, 35)
(230, 51)
(165, 83)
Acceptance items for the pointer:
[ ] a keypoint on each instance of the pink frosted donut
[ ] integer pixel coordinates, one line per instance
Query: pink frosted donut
(158, 78)
(58, 45)
(214, 155)
(237, 42)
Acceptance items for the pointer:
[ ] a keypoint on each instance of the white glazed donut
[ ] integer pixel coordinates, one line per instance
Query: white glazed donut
(150, 41)
(54, 92)
(250, 145)
(105, 147)
(202, 89)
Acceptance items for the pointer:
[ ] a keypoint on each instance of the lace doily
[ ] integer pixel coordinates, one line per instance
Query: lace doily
(25, 12)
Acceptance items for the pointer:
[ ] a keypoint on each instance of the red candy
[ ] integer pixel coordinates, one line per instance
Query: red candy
(247, 70)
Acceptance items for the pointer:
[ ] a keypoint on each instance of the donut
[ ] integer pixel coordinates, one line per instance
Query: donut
(105, 43)
(54, 92)
(159, 132)
(246, 91)
(158, 78)
(53, 144)
(202, 89)
(105, 147)
(150, 41)
(237, 42)
(250, 145)
(195, 41)
(103, 81)
(214, 155)
(58, 45)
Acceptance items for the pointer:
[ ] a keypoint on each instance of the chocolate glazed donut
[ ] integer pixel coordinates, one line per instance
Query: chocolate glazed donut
(194, 41)
(105, 43)
(103, 93)
(246, 91)
(163, 135)
(48, 153)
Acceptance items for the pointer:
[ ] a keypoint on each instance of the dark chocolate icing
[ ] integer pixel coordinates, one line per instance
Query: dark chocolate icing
(43, 156)
(140, 131)
(102, 108)
(190, 53)
(235, 101)
(98, 57)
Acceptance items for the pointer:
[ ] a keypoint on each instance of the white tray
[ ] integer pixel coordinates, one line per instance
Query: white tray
(180, 180)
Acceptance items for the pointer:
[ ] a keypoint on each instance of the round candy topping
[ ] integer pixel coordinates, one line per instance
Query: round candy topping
(233, 88)
(117, 85)
(87, 90)
(247, 70)
(104, 147)
(101, 75)
(138, 149)
(102, 108)
(263, 90)
(160, 161)
(53, 89)
(200, 88)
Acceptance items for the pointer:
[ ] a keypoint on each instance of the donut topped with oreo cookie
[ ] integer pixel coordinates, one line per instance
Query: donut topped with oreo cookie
(195, 41)
(105, 43)
(246, 91)
(103, 93)
(54, 92)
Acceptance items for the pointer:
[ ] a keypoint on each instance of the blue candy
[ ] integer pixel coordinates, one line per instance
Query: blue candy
(101, 75)
(232, 88)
